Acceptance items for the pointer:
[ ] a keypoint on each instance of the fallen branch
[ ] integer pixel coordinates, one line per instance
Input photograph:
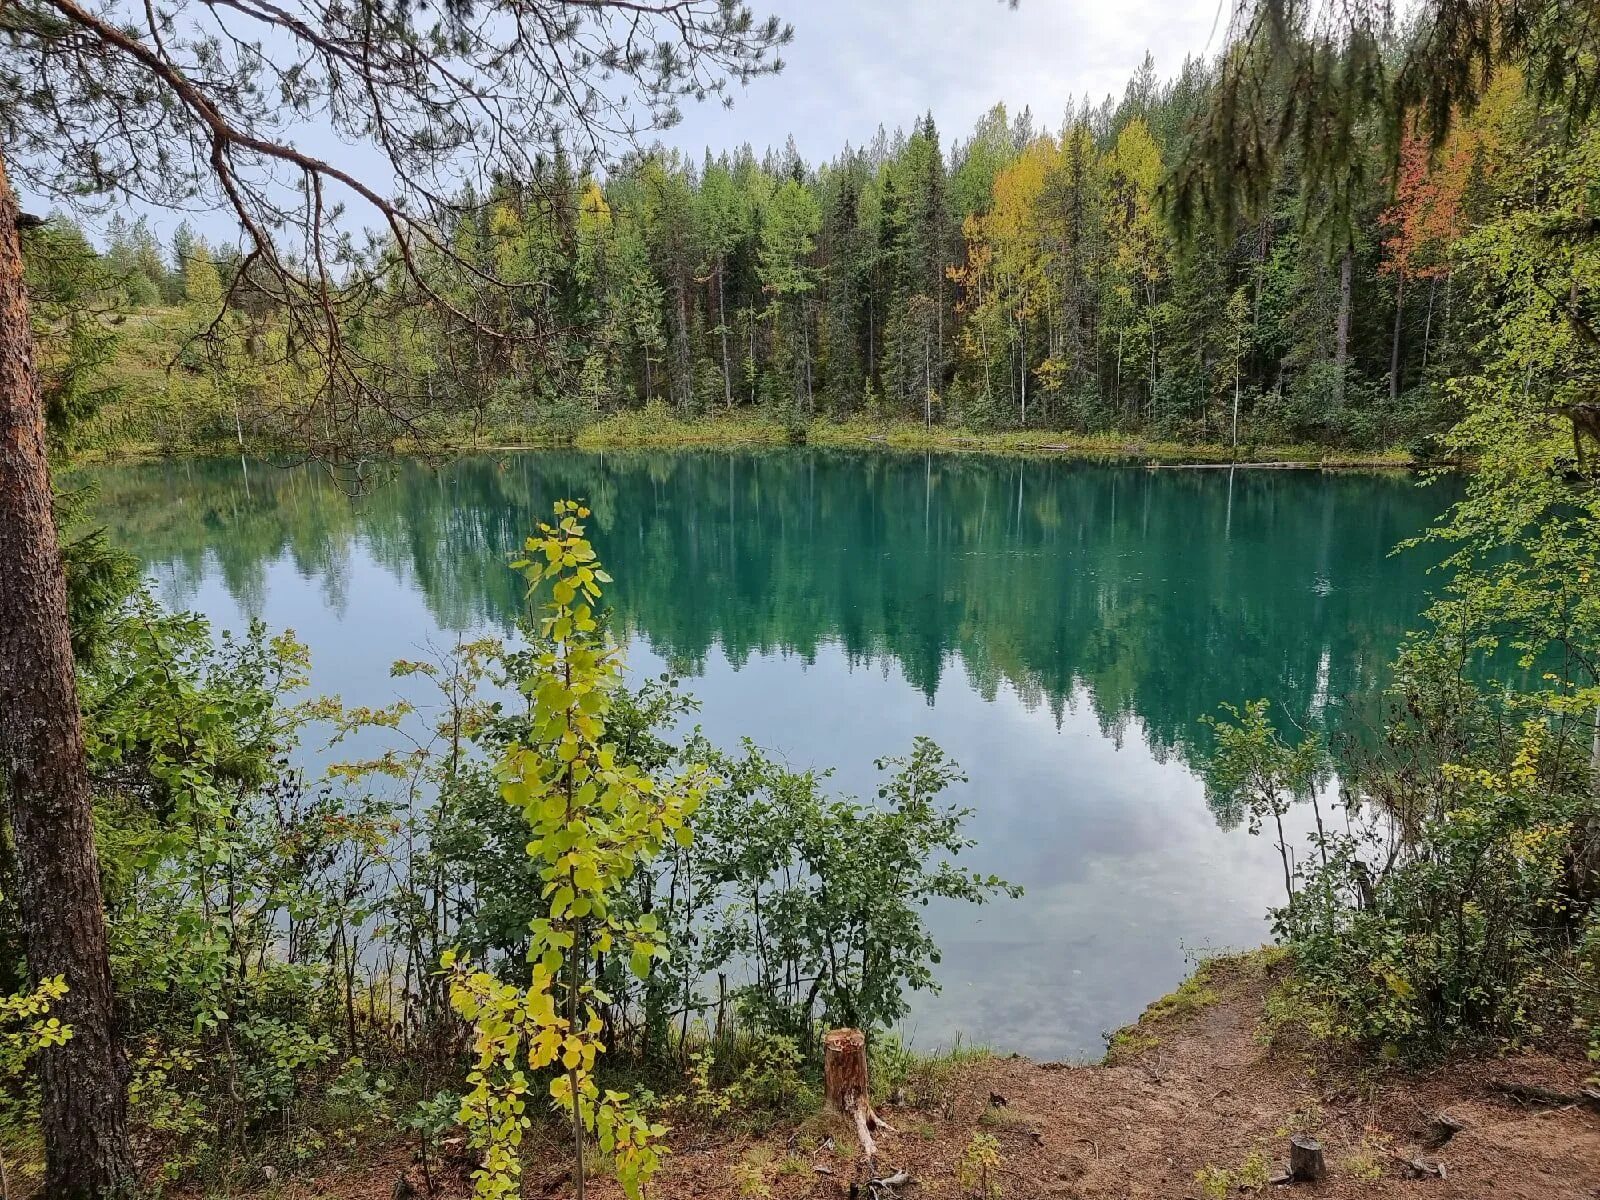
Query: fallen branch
(1532, 1093)
(1229, 466)
(1420, 1166)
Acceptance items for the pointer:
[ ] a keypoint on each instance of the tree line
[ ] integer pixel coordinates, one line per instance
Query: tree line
(1019, 277)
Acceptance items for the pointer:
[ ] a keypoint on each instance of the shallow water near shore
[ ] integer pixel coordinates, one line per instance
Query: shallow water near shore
(1057, 627)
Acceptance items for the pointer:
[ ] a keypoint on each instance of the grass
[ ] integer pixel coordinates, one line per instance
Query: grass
(1065, 443)
(1191, 996)
(920, 1078)
(657, 425)
(1297, 1019)
(1194, 995)
(1129, 1042)
(750, 1172)
(1006, 1120)
(166, 409)
(660, 426)
(1366, 1165)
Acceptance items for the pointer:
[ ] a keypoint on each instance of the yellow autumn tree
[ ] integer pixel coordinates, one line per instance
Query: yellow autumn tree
(1139, 244)
(1006, 280)
(592, 819)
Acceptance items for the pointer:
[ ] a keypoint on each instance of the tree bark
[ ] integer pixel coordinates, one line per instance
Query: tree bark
(683, 384)
(1589, 848)
(1022, 338)
(1399, 330)
(83, 1084)
(1341, 349)
(1305, 1159)
(844, 1068)
(844, 1065)
(722, 327)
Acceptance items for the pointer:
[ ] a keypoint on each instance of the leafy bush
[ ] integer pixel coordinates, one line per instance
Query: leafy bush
(276, 939)
(1216, 1182)
(978, 1172)
(820, 896)
(1447, 906)
(1449, 928)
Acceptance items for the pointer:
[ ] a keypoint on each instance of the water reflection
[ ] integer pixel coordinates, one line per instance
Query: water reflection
(1057, 627)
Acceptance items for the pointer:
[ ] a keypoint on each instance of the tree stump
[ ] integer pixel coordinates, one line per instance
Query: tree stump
(1305, 1159)
(844, 1069)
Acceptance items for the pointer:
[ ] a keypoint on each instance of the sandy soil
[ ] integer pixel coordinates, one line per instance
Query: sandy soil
(1199, 1090)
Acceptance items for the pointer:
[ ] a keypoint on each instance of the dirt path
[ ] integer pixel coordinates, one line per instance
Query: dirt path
(1194, 1089)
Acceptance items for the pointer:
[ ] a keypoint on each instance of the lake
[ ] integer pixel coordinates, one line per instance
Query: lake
(1058, 627)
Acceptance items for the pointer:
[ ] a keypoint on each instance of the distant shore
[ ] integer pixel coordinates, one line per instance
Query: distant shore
(667, 431)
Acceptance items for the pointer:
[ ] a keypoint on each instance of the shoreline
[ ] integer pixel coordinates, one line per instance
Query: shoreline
(641, 431)
(1197, 1100)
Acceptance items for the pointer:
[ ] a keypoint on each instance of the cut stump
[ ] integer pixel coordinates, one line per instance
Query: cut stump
(1305, 1159)
(844, 1067)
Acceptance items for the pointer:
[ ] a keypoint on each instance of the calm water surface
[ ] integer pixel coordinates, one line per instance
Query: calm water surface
(1057, 627)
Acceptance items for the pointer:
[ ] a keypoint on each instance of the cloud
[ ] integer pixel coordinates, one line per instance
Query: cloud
(854, 66)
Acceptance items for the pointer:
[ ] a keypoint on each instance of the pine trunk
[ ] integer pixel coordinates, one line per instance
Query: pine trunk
(722, 327)
(1341, 350)
(82, 1084)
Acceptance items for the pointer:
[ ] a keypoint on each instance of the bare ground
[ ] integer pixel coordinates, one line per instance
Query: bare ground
(1196, 1090)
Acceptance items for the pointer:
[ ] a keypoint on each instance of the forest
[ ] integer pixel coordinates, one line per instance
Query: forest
(1016, 277)
(538, 934)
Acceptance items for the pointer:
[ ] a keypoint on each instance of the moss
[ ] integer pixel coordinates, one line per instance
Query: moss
(1191, 996)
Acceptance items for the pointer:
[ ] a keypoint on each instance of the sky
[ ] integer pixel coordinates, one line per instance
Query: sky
(856, 64)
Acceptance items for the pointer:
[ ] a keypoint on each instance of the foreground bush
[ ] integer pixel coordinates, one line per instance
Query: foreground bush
(277, 939)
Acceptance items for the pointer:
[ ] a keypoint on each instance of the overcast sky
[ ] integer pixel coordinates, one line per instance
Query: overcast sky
(856, 64)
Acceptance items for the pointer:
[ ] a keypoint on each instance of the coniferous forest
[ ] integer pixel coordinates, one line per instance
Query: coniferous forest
(1024, 274)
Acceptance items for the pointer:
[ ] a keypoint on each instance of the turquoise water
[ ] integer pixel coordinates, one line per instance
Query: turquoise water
(1057, 627)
